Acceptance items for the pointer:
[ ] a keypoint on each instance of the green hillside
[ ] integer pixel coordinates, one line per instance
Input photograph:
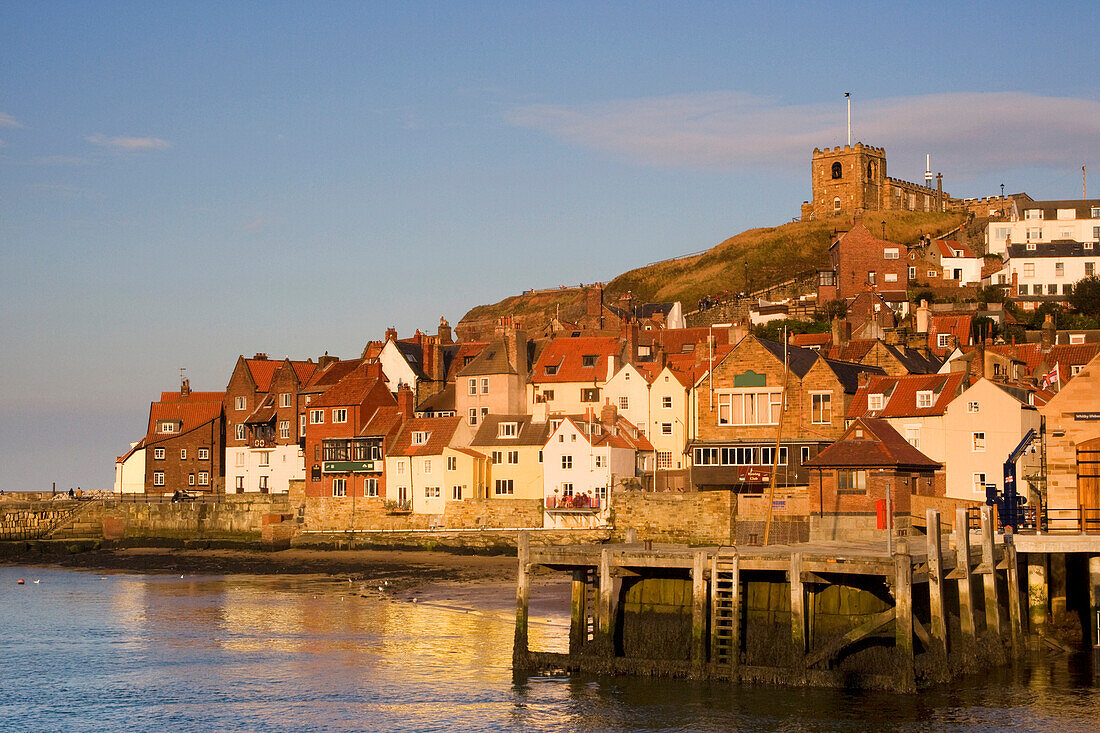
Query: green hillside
(748, 261)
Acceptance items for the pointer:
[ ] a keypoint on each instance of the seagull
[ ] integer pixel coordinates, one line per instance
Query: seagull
(379, 589)
(37, 580)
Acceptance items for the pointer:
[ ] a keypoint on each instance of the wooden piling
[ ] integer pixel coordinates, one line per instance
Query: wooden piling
(935, 581)
(699, 610)
(606, 624)
(1015, 603)
(1057, 585)
(798, 606)
(1037, 592)
(989, 577)
(903, 620)
(962, 569)
(523, 589)
(577, 611)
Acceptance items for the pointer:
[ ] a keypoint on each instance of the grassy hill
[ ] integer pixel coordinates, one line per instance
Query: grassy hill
(748, 261)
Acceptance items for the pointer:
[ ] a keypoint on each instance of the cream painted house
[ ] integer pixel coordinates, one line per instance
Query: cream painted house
(983, 425)
(628, 391)
(670, 427)
(570, 374)
(416, 467)
(130, 470)
(513, 444)
(467, 473)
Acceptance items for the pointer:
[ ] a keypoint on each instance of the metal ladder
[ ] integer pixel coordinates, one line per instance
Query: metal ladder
(591, 601)
(724, 613)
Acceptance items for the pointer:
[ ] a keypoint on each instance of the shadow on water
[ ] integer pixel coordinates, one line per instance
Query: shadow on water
(91, 651)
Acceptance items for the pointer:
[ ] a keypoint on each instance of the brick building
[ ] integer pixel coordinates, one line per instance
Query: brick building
(185, 443)
(860, 262)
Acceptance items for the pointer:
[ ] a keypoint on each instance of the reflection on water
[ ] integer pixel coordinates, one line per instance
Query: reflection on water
(85, 651)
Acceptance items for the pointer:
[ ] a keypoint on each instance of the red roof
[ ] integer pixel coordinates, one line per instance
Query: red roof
(263, 369)
(332, 374)
(625, 435)
(948, 248)
(1066, 356)
(191, 411)
(673, 340)
(354, 388)
(811, 339)
(900, 395)
(440, 431)
(958, 325)
(871, 443)
(564, 359)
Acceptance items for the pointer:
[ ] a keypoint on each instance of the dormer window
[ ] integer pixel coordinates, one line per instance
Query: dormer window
(1033, 213)
(420, 437)
(924, 399)
(588, 360)
(551, 369)
(874, 402)
(890, 253)
(507, 429)
(166, 427)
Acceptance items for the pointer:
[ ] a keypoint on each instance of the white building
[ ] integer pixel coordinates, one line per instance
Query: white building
(1038, 271)
(130, 470)
(1046, 221)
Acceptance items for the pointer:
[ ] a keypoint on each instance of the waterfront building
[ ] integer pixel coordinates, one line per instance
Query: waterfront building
(185, 443)
(419, 476)
(570, 373)
(494, 381)
(513, 444)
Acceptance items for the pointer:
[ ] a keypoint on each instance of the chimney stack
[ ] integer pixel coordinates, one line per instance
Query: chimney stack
(1047, 334)
(260, 356)
(324, 361)
(391, 334)
(609, 415)
(185, 387)
(515, 347)
(405, 401)
(445, 332)
(924, 317)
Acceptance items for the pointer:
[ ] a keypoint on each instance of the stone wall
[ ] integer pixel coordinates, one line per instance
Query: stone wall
(488, 540)
(694, 518)
(341, 514)
(33, 520)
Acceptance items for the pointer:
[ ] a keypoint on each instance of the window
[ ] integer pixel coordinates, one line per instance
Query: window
(370, 487)
(1052, 289)
(340, 415)
(912, 273)
(183, 454)
(452, 463)
(240, 459)
(400, 467)
(1077, 338)
(1059, 269)
(1023, 289)
(837, 172)
(431, 492)
(933, 273)
(1090, 269)
(507, 429)
(551, 369)
(239, 484)
(924, 398)
(420, 437)
(805, 453)
(316, 417)
(766, 454)
(540, 456)
(874, 402)
(567, 489)
(427, 465)
(706, 456)
(339, 487)
(590, 394)
(1033, 233)
(263, 484)
(588, 360)
(513, 457)
(851, 482)
(1094, 212)
(978, 442)
(167, 427)
(979, 483)
(1075, 369)
(497, 457)
(890, 253)
(972, 407)
(749, 408)
(484, 412)
(943, 340)
(871, 277)
(473, 386)
(284, 399)
(238, 432)
(158, 478)
(471, 416)
(599, 461)
(302, 424)
(822, 409)
(664, 459)
(666, 403)
(239, 403)
(204, 478)
(265, 458)
(666, 428)
(567, 461)
(548, 395)
(484, 385)
(624, 403)
(503, 486)
(456, 493)
(190, 479)
(1033, 213)
(912, 435)
(890, 277)
(158, 454)
(284, 429)
(204, 454)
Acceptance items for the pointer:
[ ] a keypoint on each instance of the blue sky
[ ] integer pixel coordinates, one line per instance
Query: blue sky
(181, 183)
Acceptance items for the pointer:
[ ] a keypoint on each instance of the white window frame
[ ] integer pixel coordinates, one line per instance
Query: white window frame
(471, 416)
(183, 454)
(240, 403)
(977, 442)
(820, 404)
(666, 428)
(339, 415)
(158, 478)
(264, 459)
(452, 463)
(339, 487)
(316, 417)
(666, 402)
(973, 407)
(890, 253)
(204, 454)
(732, 407)
(472, 386)
(876, 401)
(285, 399)
(421, 437)
(284, 429)
(624, 403)
(503, 487)
(924, 399)
(204, 478)
(158, 454)
(566, 462)
(370, 487)
(507, 429)
(484, 385)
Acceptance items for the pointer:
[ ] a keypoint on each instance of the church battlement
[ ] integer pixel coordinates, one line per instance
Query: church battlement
(858, 147)
(911, 185)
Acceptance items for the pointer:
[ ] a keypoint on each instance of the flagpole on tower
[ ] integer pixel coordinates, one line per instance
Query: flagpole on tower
(848, 96)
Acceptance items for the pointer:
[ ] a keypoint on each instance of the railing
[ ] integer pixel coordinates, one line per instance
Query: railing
(210, 498)
(573, 503)
(1045, 519)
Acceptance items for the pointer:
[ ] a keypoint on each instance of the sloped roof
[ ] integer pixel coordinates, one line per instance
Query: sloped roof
(811, 339)
(860, 236)
(959, 325)
(948, 248)
(455, 356)
(848, 373)
(528, 432)
(262, 370)
(564, 357)
(625, 435)
(264, 413)
(440, 432)
(330, 375)
(914, 361)
(440, 401)
(1066, 356)
(353, 388)
(382, 422)
(800, 359)
(900, 395)
(191, 411)
(871, 443)
(492, 358)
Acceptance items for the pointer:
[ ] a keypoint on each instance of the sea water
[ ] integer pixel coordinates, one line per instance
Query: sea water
(107, 651)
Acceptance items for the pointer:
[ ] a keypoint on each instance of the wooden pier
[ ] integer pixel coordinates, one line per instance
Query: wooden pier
(811, 614)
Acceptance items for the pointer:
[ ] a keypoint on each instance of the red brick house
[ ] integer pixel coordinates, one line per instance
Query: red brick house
(861, 261)
(340, 459)
(853, 480)
(185, 443)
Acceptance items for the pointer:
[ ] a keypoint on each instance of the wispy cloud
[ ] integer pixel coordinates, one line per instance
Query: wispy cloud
(7, 120)
(129, 143)
(252, 226)
(723, 130)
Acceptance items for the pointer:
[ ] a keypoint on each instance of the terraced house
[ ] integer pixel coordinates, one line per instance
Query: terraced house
(184, 443)
(570, 373)
(513, 445)
(419, 474)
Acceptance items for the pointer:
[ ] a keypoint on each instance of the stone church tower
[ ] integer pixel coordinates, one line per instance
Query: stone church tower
(847, 180)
